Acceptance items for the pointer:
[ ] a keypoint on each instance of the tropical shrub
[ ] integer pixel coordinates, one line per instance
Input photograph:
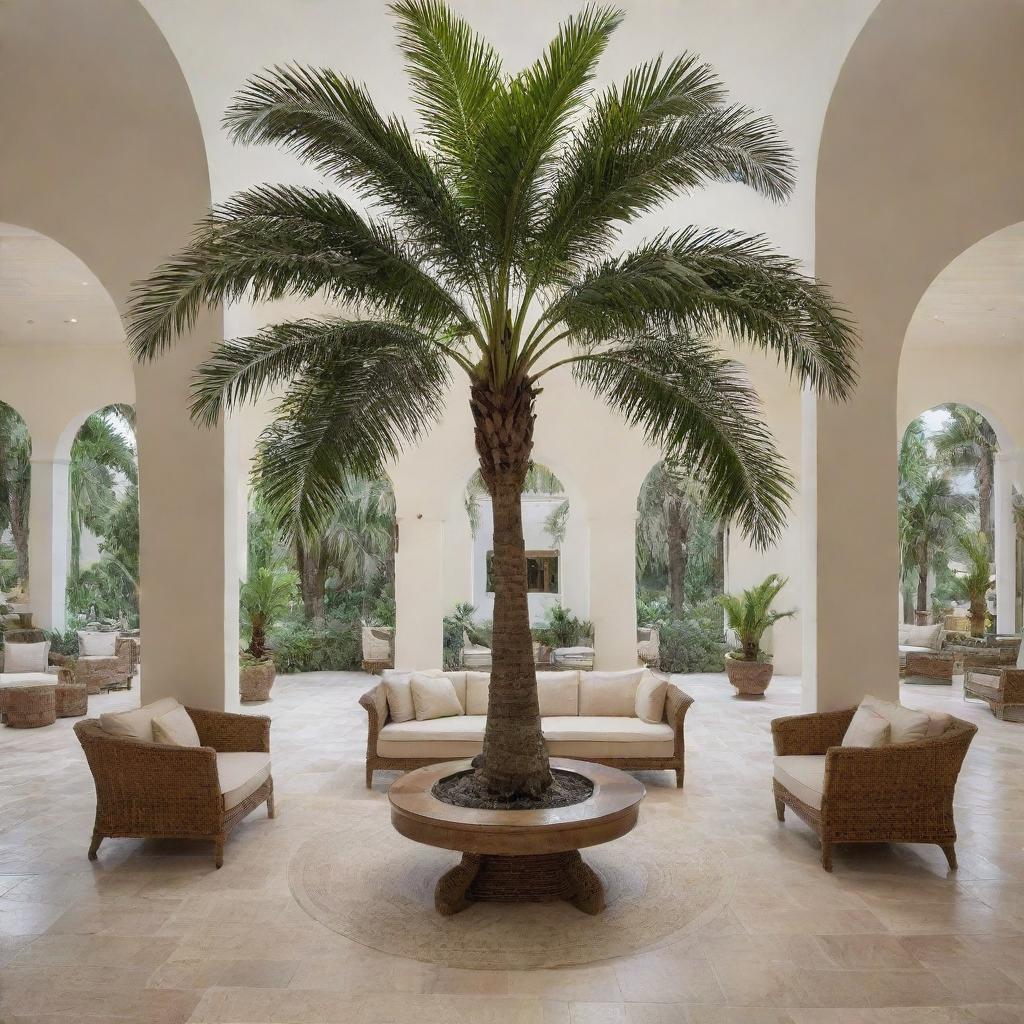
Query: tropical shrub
(750, 615)
(266, 596)
(563, 629)
(298, 646)
(691, 646)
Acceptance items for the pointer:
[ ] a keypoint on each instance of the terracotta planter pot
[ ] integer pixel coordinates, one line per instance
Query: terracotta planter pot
(255, 680)
(751, 678)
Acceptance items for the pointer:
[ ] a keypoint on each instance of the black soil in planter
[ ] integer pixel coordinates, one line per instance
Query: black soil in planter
(464, 789)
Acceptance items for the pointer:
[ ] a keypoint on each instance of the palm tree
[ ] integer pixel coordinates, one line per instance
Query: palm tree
(914, 466)
(266, 596)
(15, 480)
(750, 615)
(968, 442)
(930, 520)
(99, 452)
(492, 250)
(974, 584)
(673, 528)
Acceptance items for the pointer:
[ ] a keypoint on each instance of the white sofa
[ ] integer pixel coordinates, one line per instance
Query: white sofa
(587, 715)
(920, 640)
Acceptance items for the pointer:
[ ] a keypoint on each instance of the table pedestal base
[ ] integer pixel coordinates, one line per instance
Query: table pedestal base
(536, 878)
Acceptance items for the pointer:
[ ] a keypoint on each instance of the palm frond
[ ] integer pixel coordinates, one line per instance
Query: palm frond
(347, 415)
(711, 281)
(684, 395)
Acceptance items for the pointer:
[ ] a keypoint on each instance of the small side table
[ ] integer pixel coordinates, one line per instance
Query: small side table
(30, 707)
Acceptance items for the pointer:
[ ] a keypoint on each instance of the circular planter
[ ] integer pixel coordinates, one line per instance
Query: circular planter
(517, 856)
(255, 681)
(751, 678)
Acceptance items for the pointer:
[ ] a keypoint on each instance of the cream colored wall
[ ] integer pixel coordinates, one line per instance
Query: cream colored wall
(899, 196)
(102, 153)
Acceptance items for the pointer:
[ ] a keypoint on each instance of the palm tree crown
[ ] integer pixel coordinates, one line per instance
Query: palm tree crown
(488, 244)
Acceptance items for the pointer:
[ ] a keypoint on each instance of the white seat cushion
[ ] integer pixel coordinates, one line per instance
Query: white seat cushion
(241, 774)
(567, 736)
(14, 679)
(803, 775)
(137, 724)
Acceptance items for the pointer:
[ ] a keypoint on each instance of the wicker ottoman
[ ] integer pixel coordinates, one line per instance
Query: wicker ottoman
(934, 667)
(71, 700)
(29, 707)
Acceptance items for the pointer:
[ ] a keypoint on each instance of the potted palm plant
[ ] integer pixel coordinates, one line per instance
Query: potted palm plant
(749, 615)
(487, 244)
(265, 597)
(974, 583)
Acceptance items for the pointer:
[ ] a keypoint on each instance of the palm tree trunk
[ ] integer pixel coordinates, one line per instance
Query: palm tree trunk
(19, 533)
(312, 583)
(514, 759)
(677, 556)
(985, 484)
(922, 584)
(978, 612)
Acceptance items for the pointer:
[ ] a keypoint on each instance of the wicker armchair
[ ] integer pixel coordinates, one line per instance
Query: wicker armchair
(1001, 686)
(160, 791)
(378, 644)
(902, 793)
(100, 673)
(648, 646)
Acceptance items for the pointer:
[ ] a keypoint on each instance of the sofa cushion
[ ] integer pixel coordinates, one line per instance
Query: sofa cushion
(177, 728)
(927, 637)
(477, 684)
(650, 698)
(137, 724)
(558, 693)
(938, 723)
(803, 775)
(27, 679)
(604, 729)
(907, 725)
(867, 729)
(398, 685)
(240, 775)
(92, 642)
(459, 682)
(610, 694)
(26, 657)
(434, 697)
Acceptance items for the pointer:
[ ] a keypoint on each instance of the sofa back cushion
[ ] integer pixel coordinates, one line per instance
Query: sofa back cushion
(26, 657)
(609, 694)
(477, 684)
(398, 684)
(137, 724)
(650, 697)
(95, 644)
(459, 682)
(929, 637)
(177, 728)
(434, 697)
(558, 693)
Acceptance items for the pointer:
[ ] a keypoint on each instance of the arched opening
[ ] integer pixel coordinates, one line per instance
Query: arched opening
(15, 491)
(103, 523)
(344, 578)
(680, 570)
(946, 486)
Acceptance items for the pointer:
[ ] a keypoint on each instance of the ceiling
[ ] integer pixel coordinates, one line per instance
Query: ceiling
(50, 297)
(978, 299)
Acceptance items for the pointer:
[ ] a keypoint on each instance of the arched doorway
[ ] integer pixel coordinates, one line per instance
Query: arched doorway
(15, 498)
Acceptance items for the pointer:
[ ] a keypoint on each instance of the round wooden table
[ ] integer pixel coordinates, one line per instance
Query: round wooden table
(517, 856)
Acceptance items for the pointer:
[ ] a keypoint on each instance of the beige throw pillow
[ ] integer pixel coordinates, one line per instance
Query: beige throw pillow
(137, 724)
(177, 728)
(907, 725)
(26, 657)
(609, 694)
(867, 729)
(434, 697)
(477, 686)
(93, 644)
(399, 689)
(650, 698)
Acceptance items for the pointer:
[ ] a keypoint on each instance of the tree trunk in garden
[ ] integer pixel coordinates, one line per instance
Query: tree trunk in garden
(978, 612)
(985, 478)
(678, 555)
(312, 583)
(922, 585)
(515, 759)
(19, 534)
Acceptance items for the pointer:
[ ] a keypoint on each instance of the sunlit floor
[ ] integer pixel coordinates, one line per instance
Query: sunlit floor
(152, 933)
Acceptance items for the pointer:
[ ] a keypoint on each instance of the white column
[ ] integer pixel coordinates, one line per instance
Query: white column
(613, 589)
(419, 592)
(574, 565)
(1006, 465)
(48, 542)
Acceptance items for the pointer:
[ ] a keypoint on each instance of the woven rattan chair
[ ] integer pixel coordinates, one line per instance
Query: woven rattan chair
(100, 673)
(902, 793)
(29, 707)
(1000, 686)
(378, 644)
(159, 791)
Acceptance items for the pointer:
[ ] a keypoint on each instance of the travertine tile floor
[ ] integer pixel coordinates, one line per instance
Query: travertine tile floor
(152, 933)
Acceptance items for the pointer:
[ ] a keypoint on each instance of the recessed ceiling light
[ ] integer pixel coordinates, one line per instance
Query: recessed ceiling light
(72, 320)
